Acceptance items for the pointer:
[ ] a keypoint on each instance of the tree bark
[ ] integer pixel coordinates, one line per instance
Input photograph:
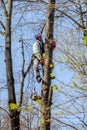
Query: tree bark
(46, 92)
(14, 114)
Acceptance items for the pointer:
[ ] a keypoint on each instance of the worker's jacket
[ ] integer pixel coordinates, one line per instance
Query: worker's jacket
(38, 49)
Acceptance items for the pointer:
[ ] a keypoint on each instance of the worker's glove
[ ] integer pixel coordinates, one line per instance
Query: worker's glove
(42, 61)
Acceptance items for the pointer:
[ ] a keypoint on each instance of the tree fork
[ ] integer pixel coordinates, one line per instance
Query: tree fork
(46, 92)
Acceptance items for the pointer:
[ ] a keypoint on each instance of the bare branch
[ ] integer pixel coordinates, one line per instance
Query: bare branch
(29, 66)
(2, 33)
(2, 25)
(71, 18)
(22, 79)
(5, 111)
(81, 16)
(4, 8)
(65, 123)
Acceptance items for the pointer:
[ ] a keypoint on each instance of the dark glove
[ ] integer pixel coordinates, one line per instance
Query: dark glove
(42, 61)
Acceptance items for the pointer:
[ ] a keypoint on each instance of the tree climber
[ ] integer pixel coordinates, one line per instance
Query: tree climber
(38, 49)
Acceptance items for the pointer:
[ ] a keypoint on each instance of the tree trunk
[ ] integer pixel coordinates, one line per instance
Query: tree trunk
(14, 114)
(46, 93)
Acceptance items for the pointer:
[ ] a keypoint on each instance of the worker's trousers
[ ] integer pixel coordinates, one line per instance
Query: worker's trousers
(36, 67)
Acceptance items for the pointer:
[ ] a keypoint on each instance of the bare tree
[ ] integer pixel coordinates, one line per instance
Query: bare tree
(14, 114)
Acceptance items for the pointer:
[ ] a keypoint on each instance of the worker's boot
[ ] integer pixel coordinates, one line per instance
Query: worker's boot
(38, 79)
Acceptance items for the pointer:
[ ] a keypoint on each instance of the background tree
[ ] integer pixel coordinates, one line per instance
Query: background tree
(14, 114)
